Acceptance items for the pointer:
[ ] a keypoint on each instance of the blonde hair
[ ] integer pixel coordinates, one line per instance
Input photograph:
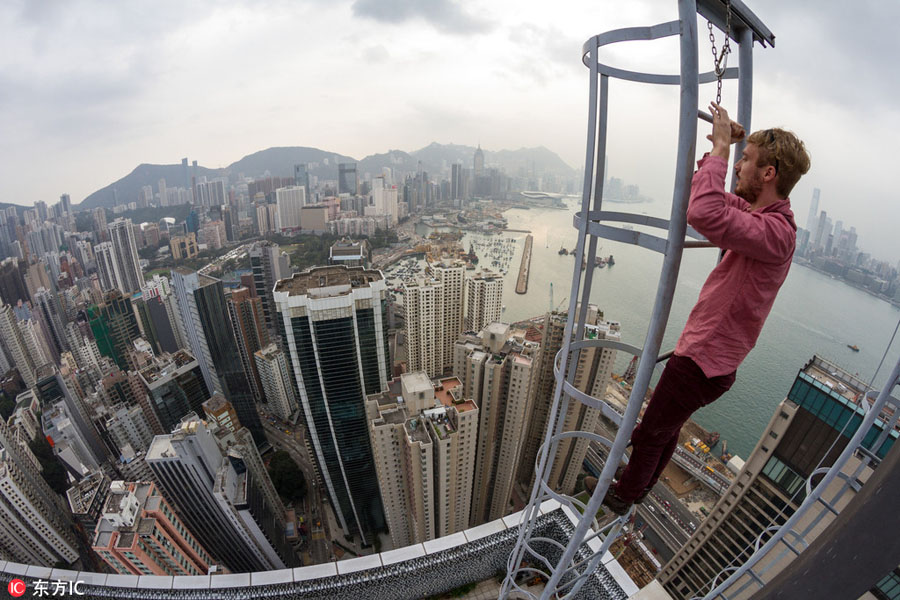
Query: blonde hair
(784, 151)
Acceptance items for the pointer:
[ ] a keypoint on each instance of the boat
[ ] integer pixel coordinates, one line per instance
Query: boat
(712, 439)
(853, 347)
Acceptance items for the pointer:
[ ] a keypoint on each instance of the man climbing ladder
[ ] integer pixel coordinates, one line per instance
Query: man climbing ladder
(755, 228)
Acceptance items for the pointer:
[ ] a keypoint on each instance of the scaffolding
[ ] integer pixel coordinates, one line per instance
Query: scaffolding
(567, 567)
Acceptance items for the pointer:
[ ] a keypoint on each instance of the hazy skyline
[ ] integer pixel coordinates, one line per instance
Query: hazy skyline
(90, 90)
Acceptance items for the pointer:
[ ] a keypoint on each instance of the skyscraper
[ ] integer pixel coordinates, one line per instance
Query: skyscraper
(33, 529)
(484, 300)
(333, 323)
(107, 266)
(184, 283)
(499, 372)
(269, 265)
(348, 182)
(212, 335)
(175, 387)
(434, 309)
(592, 375)
(290, 201)
(478, 161)
(14, 345)
(121, 236)
(806, 431)
(12, 281)
(248, 327)
(813, 211)
(47, 305)
(276, 382)
(301, 178)
(140, 534)
(424, 437)
(115, 327)
(218, 499)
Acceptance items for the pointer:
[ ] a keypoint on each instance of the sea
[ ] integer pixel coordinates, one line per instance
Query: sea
(814, 314)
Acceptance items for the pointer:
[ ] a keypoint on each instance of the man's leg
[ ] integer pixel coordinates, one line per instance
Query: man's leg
(682, 389)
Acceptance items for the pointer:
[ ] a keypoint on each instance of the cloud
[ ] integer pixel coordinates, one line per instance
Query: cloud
(376, 54)
(444, 15)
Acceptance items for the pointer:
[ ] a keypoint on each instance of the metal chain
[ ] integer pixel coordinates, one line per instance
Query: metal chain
(720, 61)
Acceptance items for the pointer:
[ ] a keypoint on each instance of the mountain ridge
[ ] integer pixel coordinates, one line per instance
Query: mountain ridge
(279, 161)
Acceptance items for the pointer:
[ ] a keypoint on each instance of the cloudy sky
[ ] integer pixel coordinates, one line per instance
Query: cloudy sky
(88, 90)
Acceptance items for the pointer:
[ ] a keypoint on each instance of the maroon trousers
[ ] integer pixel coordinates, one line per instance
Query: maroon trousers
(682, 389)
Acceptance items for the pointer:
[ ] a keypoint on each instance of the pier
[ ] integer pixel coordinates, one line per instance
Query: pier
(522, 283)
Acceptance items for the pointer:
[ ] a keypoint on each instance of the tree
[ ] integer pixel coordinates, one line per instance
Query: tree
(287, 477)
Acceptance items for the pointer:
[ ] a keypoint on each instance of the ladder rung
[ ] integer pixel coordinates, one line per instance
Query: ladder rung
(828, 506)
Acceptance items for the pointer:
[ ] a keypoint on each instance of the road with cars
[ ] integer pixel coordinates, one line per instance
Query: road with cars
(316, 548)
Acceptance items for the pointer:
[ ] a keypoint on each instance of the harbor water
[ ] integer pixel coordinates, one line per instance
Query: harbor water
(814, 314)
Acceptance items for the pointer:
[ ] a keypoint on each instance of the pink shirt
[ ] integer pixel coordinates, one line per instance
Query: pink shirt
(740, 290)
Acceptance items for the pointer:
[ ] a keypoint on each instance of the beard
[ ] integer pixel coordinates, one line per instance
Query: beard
(749, 188)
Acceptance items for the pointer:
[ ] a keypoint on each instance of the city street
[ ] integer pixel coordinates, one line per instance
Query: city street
(318, 549)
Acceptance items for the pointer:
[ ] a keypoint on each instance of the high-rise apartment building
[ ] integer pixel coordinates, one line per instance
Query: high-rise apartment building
(453, 277)
(423, 304)
(290, 201)
(121, 236)
(12, 281)
(434, 310)
(484, 300)
(269, 264)
(333, 323)
(248, 326)
(592, 375)
(83, 347)
(140, 534)
(348, 181)
(218, 499)
(424, 437)
(47, 305)
(107, 266)
(278, 391)
(806, 431)
(14, 345)
(33, 529)
(498, 371)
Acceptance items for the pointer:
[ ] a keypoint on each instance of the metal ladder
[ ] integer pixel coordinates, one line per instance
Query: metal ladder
(569, 566)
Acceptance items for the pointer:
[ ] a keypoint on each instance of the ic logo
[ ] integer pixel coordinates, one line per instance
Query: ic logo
(16, 588)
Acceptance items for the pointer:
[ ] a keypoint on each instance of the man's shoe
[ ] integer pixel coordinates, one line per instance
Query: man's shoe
(616, 504)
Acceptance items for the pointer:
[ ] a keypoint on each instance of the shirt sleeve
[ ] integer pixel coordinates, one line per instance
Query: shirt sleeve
(724, 221)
